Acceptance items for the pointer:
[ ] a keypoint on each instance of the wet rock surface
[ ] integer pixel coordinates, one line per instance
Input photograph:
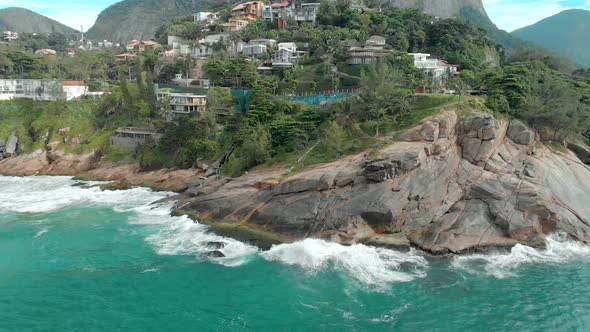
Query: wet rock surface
(450, 186)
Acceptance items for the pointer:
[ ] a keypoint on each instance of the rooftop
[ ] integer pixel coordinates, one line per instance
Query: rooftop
(136, 130)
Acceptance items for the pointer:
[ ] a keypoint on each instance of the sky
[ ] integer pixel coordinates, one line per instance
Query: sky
(507, 14)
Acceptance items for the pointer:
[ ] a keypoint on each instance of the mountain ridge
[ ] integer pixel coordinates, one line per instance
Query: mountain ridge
(22, 20)
(139, 19)
(566, 33)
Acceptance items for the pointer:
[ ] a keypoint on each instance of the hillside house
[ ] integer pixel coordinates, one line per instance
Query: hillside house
(49, 53)
(284, 11)
(278, 12)
(438, 71)
(374, 50)
(46, 90)
(181, 103)
(31, 89)
(248, 11)
(124, 56)
(74, 89)
(132, 138)
(205, 17)
(191, 82)
(140, 46)
(306, 12)
(257, 48)
(235, 24)
(286, 56)
(10, 35)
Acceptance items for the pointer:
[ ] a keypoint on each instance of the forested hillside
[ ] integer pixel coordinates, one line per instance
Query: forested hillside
(567, 34)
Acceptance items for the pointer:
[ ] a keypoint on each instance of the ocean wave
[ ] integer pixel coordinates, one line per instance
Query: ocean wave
(504, 265)
(182, 236)
(174, 236)
(373, 267)
(44, 194)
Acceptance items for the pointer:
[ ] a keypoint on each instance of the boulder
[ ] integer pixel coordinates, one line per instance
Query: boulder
(405, 156)
(582, 152)
(519, 133)
(215, 254)
(470, 146)
(11, 146)
(379, 171)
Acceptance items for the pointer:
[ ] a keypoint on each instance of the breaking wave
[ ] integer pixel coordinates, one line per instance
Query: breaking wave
(504, 265)
(174, 235)
(43, 194)
(373, 267)
(179, 235)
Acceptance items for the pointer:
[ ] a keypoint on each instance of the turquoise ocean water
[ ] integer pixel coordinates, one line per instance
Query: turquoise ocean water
(74, 258)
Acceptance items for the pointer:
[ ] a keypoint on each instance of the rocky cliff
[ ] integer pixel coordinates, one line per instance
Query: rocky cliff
(443, 8)
(450, 185)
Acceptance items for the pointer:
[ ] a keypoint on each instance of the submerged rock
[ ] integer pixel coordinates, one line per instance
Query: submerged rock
(215, 245)
(215, 254)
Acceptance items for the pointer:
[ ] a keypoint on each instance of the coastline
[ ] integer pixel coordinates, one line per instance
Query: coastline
(452, 185)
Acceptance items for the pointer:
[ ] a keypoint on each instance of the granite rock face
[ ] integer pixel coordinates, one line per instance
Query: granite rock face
(451, 185)
(442, 8)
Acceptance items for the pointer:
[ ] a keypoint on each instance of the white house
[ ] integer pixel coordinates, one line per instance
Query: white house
(74, 89)
(10, 35)
(202, 16)
(47, 90)
(256, 48)
(286, 56)
(438, 70)
(31, 89)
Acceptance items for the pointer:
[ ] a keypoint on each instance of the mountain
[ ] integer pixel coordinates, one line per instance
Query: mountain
(471, 10)
(139, 19)
(502, 37)
(443, 8)
(25, 21)
(567, 34)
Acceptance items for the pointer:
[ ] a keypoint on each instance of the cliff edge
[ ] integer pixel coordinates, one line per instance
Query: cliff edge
(451, 185)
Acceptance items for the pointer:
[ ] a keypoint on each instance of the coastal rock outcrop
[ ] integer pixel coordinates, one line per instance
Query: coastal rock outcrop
(450, 185)
(53, 161)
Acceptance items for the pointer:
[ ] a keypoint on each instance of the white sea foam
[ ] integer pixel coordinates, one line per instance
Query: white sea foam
(173, 236)
(373, 267)
(504, 265)
(41, 232)
(42, 194)
(182, 236)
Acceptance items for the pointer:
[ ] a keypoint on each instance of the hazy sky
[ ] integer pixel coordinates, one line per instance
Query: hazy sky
(507, 14)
